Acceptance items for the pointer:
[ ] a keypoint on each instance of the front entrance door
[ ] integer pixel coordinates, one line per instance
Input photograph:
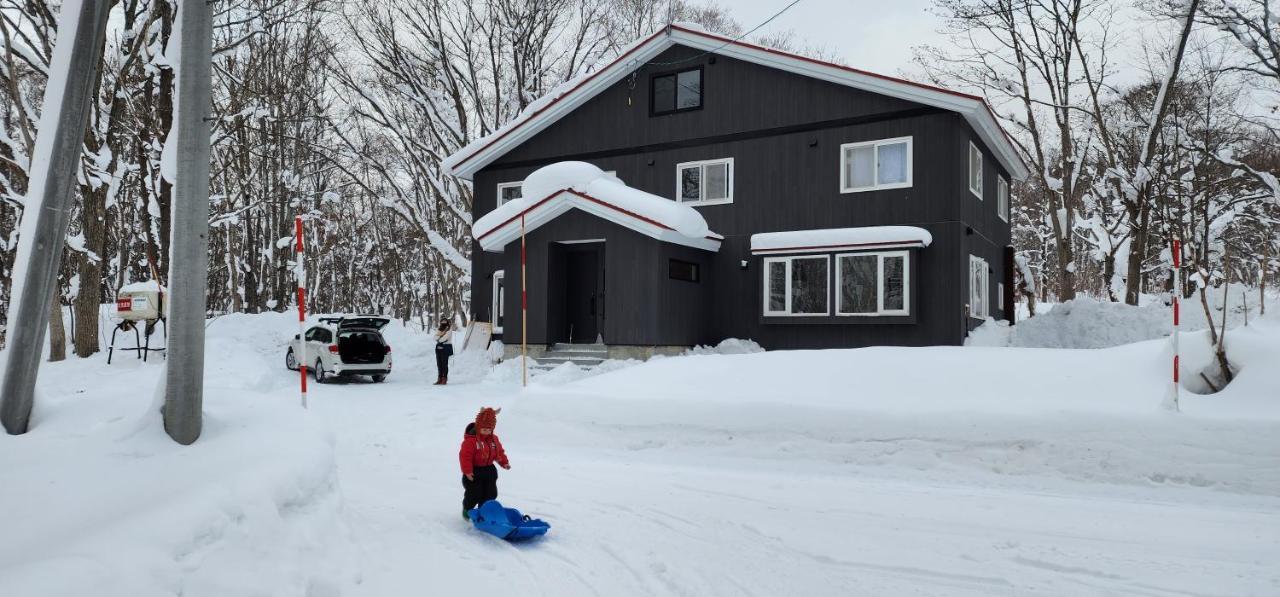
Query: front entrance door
(583, 293)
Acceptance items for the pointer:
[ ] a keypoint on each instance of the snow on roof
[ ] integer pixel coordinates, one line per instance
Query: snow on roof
(567, 97)
(148, 286)
(832, 239)
(554, 189)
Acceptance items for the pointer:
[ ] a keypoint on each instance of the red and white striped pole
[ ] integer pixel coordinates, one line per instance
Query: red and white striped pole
(1177, 302)
(300, 273)
(524, 313)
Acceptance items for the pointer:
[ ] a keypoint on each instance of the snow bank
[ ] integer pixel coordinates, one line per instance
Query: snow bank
(1088, 323)
(1080, 323)
(106, 504)
(727, 346)
(590, 180)
(102, 502)
(880, 236)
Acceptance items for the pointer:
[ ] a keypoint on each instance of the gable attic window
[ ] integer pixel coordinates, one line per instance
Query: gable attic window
(875, 165)
(676, 92)
(509, 191)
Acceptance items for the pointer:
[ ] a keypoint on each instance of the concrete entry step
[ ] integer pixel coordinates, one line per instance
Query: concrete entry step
(582, 355)
(584, 348)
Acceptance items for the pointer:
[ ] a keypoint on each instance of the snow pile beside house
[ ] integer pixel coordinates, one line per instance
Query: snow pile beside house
(727, 346)
(1088, 323)
(586, 179)
(1080, 323)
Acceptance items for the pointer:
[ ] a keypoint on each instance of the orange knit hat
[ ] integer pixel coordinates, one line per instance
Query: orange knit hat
(488, 418)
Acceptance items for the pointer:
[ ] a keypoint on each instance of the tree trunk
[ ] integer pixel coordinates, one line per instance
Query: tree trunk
(57, 331)
(1137, 253)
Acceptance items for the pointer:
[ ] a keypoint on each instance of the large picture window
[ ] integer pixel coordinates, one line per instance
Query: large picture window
(979, 304)
(705, 182)
(873, 284)
(677, 92)
(509, 191)
(796, 286)
(499, 300)
(975, 170)
(875, 165)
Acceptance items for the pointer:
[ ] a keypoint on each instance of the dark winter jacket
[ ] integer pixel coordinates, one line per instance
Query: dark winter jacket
(480, 450)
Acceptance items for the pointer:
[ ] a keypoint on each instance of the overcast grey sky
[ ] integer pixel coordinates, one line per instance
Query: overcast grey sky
(876, 35)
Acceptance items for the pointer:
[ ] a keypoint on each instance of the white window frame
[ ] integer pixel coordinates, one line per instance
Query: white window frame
(844, 155)
(880, 310)
(702, 182)
(1002, 198)
(975, 152)
(1000, 297)
(786, 312)
(980, 287)
(496, 299)
(507, 185)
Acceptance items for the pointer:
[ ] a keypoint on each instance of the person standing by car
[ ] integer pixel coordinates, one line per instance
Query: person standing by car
(444, 350)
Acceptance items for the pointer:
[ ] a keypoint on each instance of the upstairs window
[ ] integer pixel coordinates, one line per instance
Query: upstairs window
(975, 170)
(509, 191)
(1002, 198)
(677, 92)
(875, 165)
(705, 182)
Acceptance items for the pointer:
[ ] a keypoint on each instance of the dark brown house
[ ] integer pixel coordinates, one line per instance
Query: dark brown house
(845, 208)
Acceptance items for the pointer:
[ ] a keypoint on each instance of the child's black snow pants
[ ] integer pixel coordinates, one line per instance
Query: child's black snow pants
(482, 489)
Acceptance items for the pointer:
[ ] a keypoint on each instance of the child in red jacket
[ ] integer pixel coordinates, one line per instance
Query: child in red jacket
(480, 449)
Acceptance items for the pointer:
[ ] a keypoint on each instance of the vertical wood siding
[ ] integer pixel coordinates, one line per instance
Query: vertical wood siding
(785, 180)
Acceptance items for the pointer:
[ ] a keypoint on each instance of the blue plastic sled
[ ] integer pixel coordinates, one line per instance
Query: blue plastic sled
(506, 523)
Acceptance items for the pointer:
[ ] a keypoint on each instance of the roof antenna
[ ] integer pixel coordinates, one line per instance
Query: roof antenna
(670, 14)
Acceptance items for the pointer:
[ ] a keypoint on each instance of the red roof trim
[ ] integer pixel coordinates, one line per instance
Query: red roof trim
(747, 45)
(518, 216)
(769, 50)
(619, 209)
(557, 100)
(637, 216)
(825, 63)
(896, 243)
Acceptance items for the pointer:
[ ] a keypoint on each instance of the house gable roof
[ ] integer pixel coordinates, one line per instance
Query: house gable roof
(568, 97)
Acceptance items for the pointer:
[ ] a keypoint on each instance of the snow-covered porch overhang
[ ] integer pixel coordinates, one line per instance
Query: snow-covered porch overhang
(840, 239)
(553, 190)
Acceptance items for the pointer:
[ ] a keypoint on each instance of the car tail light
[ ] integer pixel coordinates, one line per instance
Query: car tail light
(388, 348)
(333, 349)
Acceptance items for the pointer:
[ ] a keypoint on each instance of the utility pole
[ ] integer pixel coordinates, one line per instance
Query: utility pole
(189, 246)
(82, 26)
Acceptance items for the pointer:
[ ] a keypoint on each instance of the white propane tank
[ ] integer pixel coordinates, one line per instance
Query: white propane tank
(141, 301)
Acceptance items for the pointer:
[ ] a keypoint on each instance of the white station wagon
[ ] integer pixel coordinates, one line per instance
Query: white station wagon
(344, 346)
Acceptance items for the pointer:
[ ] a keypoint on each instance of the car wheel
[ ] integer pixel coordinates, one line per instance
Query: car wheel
(290, 361)
(321, 376)
(379, 378)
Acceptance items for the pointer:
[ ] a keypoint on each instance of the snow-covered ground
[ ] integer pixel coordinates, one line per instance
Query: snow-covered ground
(886, 471)
(1090, 323)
